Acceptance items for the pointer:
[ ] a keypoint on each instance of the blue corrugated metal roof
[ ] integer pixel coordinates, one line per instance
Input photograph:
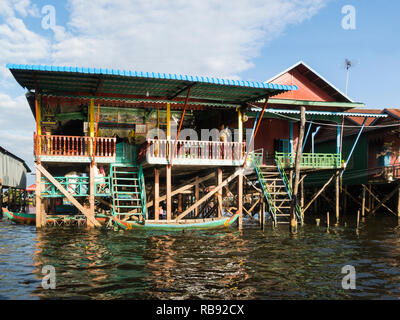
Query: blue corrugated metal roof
(323, 113)
(152, 75)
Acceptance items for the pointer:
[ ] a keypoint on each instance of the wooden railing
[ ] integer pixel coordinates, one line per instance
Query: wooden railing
(310, 160)
(53, 145)
(195, 150)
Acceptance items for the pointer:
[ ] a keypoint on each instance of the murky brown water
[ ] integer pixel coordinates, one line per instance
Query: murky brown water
(201, 264)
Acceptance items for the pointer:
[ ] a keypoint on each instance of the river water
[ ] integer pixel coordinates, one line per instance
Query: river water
(251, 264)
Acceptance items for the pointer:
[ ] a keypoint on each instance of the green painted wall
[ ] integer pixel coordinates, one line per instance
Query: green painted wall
(356, 171)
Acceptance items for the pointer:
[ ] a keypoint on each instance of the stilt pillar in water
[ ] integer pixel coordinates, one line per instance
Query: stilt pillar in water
(91, 197)
(196, 195)
(363, 202)
(261, 213)
(169, 192)
(38, 194)
(156, 194)
(398, 202)
(219, 195)
(240, 200)
(337, 197)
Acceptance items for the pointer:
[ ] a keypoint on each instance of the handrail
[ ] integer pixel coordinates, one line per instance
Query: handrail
(288, 188)
(264, 187)
(59, 145)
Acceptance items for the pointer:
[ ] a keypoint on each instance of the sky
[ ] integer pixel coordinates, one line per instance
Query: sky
(249, 40)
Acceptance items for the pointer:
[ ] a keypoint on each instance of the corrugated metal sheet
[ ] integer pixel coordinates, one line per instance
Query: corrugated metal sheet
(322, 113)
(12, 171)
(56, 79)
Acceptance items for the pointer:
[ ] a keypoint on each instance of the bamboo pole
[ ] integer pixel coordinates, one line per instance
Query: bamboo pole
(168, 193)
(320, 191)
(327, 219)
(219, 181)
(91, 198)
(240, 200)
(363, 202)
(337, 193)
(197, 194)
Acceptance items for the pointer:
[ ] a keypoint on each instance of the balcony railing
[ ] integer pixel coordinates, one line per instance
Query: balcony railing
(77, 186)
(74, 146)
(192, 152)
(310, 160)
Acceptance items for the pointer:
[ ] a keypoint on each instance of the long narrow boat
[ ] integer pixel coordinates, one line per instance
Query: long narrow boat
(30, 218)
(20, 217)
(188, 224)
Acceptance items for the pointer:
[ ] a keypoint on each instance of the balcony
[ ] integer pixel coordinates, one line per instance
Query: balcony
(53, 148)
(192, 152)
(310, 160)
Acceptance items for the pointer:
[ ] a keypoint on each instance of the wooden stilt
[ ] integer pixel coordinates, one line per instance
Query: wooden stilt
(302, 194)
(219, 181)
(38, 196)
(169, 191)
(293, 218)
(156, 194)
(337, 191)
(180, 203)
(196, 195)
(363, 202)
(320, 191)
(91, 198)
(240, 200)
(261, 213)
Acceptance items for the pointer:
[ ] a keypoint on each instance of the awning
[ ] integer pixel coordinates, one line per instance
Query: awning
(122, 84)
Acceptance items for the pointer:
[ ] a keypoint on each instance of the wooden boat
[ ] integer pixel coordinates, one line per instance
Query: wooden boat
(20, 217)
(187, 224)
(30, 218)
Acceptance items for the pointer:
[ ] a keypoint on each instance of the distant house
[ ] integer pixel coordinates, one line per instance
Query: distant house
(13, 170)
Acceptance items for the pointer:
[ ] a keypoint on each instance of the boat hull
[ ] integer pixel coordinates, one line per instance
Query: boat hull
(30, 218)
(217, 223)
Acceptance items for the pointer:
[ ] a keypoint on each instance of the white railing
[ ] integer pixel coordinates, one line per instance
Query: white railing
(191, 150)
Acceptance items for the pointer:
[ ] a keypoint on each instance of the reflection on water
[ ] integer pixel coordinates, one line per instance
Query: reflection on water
(201, 264)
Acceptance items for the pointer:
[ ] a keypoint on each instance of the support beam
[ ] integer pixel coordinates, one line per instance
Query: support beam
(219, 195)
(240, 199)
(337, 195)
(38, 200)
(168, 170)
(70, 198)
(320, 191)
(183, 188)
(293, 218)
(381, 203)
(196, 194)
(156, 194)
(209, 194)
(91, 198)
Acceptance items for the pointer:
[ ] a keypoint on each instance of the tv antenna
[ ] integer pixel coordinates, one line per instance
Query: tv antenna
(349, 64)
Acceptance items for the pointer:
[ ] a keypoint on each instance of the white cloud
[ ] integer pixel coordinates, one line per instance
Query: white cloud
(203, 37)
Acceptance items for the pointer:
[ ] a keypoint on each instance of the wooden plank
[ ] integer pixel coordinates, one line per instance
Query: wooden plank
(67, 194)
(209, 194)
(251, 208)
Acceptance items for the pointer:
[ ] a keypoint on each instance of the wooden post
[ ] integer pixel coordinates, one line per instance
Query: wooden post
(240, 200)
(89, 221)
(293, 219)
(39, 213)
(327, 219)
(337, 196)
(219, 194)
(302, 194)
(197, 195)
(1, 197)
(363, 202)
(398, 201)
(156, 194)
(358, 218)
(169, 191)
(261, 212)
(180, 203)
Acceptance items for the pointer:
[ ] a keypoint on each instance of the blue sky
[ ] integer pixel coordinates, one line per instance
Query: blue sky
(251, 40)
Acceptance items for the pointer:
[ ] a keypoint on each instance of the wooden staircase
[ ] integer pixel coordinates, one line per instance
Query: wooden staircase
(128, 194)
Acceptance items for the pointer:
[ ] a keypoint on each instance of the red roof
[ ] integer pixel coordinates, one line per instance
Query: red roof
(360, 120)
(393, 112)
